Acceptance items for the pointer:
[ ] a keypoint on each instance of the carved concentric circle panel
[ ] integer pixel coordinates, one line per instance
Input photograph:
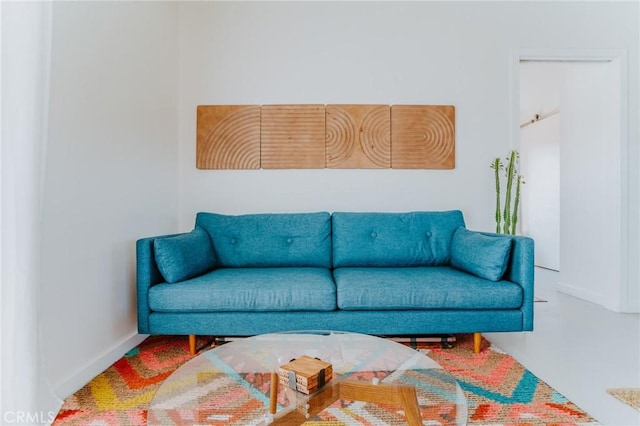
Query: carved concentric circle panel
(228, 137)
(375, 136)
(423, 137)
(358, 136)
(341, 135)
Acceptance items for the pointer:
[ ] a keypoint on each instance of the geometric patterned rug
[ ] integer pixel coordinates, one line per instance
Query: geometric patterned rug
(630, 396)
(499, 390)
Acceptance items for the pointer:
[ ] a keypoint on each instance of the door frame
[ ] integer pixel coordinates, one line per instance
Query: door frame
(625, 302)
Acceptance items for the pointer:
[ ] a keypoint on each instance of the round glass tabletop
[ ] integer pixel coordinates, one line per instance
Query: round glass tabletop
(374, 381)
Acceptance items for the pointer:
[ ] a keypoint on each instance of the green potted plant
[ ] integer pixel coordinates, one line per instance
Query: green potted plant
(507, 216)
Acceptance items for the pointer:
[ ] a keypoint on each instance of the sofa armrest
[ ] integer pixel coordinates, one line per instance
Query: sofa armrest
(147, 275)
(521, 271)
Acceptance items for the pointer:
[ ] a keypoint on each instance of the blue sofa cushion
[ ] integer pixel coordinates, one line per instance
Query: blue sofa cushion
(434, 287)
(269, 240)
(480, 254)
(393, 239)
(184, 256)
(249, 289)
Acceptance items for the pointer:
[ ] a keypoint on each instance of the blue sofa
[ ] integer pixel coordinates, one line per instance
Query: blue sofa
(414, 273)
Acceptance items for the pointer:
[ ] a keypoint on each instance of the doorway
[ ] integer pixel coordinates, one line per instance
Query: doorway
(540, 115)
(569, 136)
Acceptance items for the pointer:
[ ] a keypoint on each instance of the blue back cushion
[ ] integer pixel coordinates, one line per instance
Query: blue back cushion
(269, 240)
(393, 239)
(481, 254)
(184, 256)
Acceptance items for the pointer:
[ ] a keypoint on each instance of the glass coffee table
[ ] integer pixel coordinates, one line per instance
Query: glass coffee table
(375, 381)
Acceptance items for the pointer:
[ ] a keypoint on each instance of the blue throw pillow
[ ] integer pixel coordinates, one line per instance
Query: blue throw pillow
(184, 256)
(485, 256)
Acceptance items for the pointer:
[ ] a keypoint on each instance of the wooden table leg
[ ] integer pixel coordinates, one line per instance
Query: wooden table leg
(273, 395)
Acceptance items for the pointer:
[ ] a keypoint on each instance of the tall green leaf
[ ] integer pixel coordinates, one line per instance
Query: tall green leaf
(516, 205)
(497, 166)
(507, 201)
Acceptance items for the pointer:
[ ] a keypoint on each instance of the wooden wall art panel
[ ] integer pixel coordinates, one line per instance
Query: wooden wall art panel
(228, 137)
(422, 137)
(335, 136)
(293, 137)
(358, 136)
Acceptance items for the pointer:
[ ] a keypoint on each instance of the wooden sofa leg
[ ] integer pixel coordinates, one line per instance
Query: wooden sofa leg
(192, 344)
(477, 342)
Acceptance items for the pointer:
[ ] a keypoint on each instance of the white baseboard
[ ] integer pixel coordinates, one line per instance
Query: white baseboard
(630, 306)
(66, 387)
(580, 293)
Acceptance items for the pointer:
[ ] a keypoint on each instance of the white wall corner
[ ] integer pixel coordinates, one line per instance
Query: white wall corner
(84, 374)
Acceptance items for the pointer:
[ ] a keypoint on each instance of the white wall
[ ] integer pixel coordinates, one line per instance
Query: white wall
(418, 53)
(353, 52)
(110, 177)
(590, 251)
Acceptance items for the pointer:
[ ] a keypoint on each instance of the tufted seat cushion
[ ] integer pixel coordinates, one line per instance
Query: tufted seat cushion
(248, 289)
(436, 287)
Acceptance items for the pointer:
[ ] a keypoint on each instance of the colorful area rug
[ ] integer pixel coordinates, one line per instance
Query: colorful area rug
(630, 396)
(499, 390)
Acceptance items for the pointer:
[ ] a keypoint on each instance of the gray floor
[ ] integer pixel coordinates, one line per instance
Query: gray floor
(580, 349)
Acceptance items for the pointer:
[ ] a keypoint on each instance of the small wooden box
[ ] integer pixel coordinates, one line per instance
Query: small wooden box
(305, 374)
